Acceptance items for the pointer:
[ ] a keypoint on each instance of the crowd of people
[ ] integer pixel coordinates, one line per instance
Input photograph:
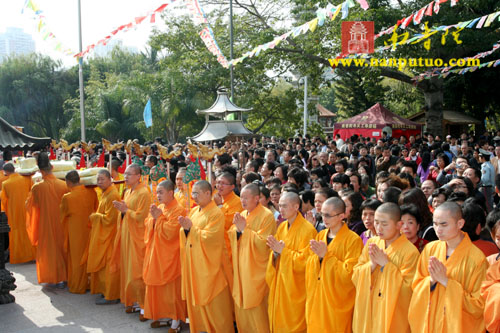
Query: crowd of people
(283, 235)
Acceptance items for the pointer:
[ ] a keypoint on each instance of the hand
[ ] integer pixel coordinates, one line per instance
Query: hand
(185, 222)
(274, 244)
(155, 211)
(310, 217)
(451, 166)
(120, 205)
(218, 199)
(377, 255)
(437, 271)
(318, 247)
(239, 221)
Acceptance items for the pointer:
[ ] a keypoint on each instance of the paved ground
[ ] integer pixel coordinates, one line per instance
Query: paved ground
(44, 309)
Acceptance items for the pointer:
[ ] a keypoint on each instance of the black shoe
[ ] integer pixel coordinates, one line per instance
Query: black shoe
(103, 301)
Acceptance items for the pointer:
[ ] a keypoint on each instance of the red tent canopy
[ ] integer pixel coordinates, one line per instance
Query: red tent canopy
(371, 123)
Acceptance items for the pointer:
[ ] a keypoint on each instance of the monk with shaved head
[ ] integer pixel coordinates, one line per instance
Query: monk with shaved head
(250, 254)
(286, 267)
(205, 283)
(446, 289)
(383, 276)
(332, 256)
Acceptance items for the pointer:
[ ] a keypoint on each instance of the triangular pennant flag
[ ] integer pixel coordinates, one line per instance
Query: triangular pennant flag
(138, 20)
(313, 24)
(100, 161)
(481, 22)
(406, 21)
(363, 4)
(491, 18)
(52, 155)
(453, 3)
(336, 13)
(152, 18)
(82, 163)
(436, 6)
(418, 16)
(345, 10)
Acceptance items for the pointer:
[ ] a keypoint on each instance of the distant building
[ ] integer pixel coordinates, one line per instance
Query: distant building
(105, 50)
(14, 41)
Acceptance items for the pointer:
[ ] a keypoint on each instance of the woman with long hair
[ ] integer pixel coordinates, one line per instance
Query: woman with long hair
(424, 169)
(417, 197)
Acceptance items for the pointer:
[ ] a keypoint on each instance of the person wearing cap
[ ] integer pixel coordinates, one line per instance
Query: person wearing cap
(487, 178)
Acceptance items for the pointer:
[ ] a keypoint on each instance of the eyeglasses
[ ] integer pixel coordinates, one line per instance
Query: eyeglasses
(328, 216)
(223, 184)
(131, 174)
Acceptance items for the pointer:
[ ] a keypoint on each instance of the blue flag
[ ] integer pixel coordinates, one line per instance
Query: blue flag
(148, 116)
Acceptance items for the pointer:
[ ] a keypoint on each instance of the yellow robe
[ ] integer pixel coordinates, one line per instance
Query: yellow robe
(490, 291)
(230, 206)
(162, 265)
(383, 297)
(43, 223)
(102, 236)
(76, 207)
(330, 291)
(181, 198)
(15, 191)
(250, 255)
(457, 307)
(285, 277)
(205, 283)
(130, 244)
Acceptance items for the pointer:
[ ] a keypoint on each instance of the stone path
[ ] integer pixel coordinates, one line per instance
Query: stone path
(44, 309)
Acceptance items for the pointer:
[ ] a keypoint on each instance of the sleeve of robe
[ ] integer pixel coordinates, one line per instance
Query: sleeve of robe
(4, 201)
(142, 210)
(64, 217)
(32, 216)
(362, 279)
(490, 291)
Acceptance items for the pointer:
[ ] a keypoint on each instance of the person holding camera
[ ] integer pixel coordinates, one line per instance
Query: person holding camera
(453, 170)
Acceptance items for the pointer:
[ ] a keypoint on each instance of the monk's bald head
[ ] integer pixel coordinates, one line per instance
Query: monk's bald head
(72, 178)
(8, 168)
(391, 210)
(168, 185)
(335, 203)
(253, 189)
(104, 173)
(134, 168)
(203, 186)
(451, 208)
(229, 177)
(291, 198)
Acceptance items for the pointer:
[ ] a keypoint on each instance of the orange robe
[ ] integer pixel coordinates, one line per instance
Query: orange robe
(205, 283)
(181, 198)
(250, 254)
(231, 205)
(286, 277)
(490, 291)
(457, 307)
(162, 265)
(102, 236)
(330, 291)
(15, 191)
(76, 207)
(130, 244)
(383, 296)
(45, 230)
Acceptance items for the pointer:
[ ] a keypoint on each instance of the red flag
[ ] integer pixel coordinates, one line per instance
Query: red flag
(100, 162)
(122, 167)
(82, 164)
(52, 155)
(152, 18)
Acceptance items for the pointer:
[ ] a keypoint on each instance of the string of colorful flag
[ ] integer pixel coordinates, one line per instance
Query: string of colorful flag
(462, 71)
(441, 70)
(330, 11)
(43, 28)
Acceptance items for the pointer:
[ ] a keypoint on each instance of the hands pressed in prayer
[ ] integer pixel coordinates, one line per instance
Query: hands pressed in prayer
(274, 244)
(120, 205)
(185, 222)
(155, 211)
(318, 247)
(310, 217)
(377, 256)
(437, 271)
(218, 199)
(239, 221)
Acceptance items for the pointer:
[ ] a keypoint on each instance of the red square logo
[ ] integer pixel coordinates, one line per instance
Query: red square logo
(358, 37)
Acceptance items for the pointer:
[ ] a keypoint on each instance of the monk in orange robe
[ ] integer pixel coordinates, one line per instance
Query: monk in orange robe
(117, 176)
(286, 268)
(205, 283)
(130, 240)
(76, 207)
(15, 191)
(229, 202)
(102, 236)
(44, 225)
(181, 194)
(333, 254)
(447, 285)
(162, 263)
(490, 291)
(383, 276)
(250, 254)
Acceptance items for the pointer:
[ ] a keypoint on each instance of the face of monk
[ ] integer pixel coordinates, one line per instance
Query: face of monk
(248, 200)
(332, 218)
(132, 177)
(178, 180)
(200, 197)
(446, 225)
(288, 209)
(163, 195)
(103, 182)
(223, 186)
(386, 227)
